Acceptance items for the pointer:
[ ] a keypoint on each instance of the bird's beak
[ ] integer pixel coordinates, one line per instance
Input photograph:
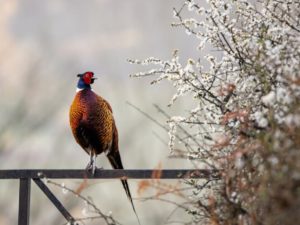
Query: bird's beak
(93, 79)
(79, 75)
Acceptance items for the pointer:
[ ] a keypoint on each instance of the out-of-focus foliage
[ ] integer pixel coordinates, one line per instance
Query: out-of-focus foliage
(43, 46)
(246, 119)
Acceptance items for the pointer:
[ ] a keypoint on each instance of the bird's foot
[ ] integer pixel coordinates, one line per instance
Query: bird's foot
(91, 167)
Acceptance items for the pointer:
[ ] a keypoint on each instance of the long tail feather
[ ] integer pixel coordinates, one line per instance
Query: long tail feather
(126, 187)
(115, 161)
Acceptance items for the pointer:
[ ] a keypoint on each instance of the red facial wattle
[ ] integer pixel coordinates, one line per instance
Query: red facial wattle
(87, 80)
(88, 77)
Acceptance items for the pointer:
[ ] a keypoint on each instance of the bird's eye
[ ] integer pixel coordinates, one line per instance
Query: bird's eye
(87, 80)
(89, 74)
(88, 77)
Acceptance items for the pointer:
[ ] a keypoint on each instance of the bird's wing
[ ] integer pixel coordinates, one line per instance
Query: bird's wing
(114, 154)
(102, 100)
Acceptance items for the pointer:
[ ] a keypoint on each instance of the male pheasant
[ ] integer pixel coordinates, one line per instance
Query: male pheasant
(94, 128)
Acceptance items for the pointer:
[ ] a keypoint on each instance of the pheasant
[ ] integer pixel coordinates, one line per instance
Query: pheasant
(94, 128)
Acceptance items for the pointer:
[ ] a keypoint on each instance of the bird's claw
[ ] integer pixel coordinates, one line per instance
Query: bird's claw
(92, 168)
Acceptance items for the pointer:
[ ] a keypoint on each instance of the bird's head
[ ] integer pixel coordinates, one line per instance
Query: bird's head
(85, 80)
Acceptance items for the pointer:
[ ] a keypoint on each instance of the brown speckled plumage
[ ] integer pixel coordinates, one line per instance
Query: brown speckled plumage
(94, 128)
(92, 122)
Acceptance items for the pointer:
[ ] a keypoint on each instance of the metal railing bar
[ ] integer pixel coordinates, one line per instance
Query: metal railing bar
(54, 200)
(111, 174)
(24, 201)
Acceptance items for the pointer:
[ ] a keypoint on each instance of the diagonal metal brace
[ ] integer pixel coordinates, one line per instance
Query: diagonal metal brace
(54, 200)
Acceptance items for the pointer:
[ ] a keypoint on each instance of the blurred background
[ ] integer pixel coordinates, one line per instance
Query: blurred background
(43, 46)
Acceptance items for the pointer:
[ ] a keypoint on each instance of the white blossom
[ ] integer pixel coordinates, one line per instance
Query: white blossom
(172, 131)
(260, 119)
(269, 99)
(250, 48)
(64, 189)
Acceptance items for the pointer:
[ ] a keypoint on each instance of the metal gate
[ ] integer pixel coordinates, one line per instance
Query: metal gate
(25, 177)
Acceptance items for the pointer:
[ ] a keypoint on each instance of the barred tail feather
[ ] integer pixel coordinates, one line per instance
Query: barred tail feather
(115, 160)
(126, 187)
